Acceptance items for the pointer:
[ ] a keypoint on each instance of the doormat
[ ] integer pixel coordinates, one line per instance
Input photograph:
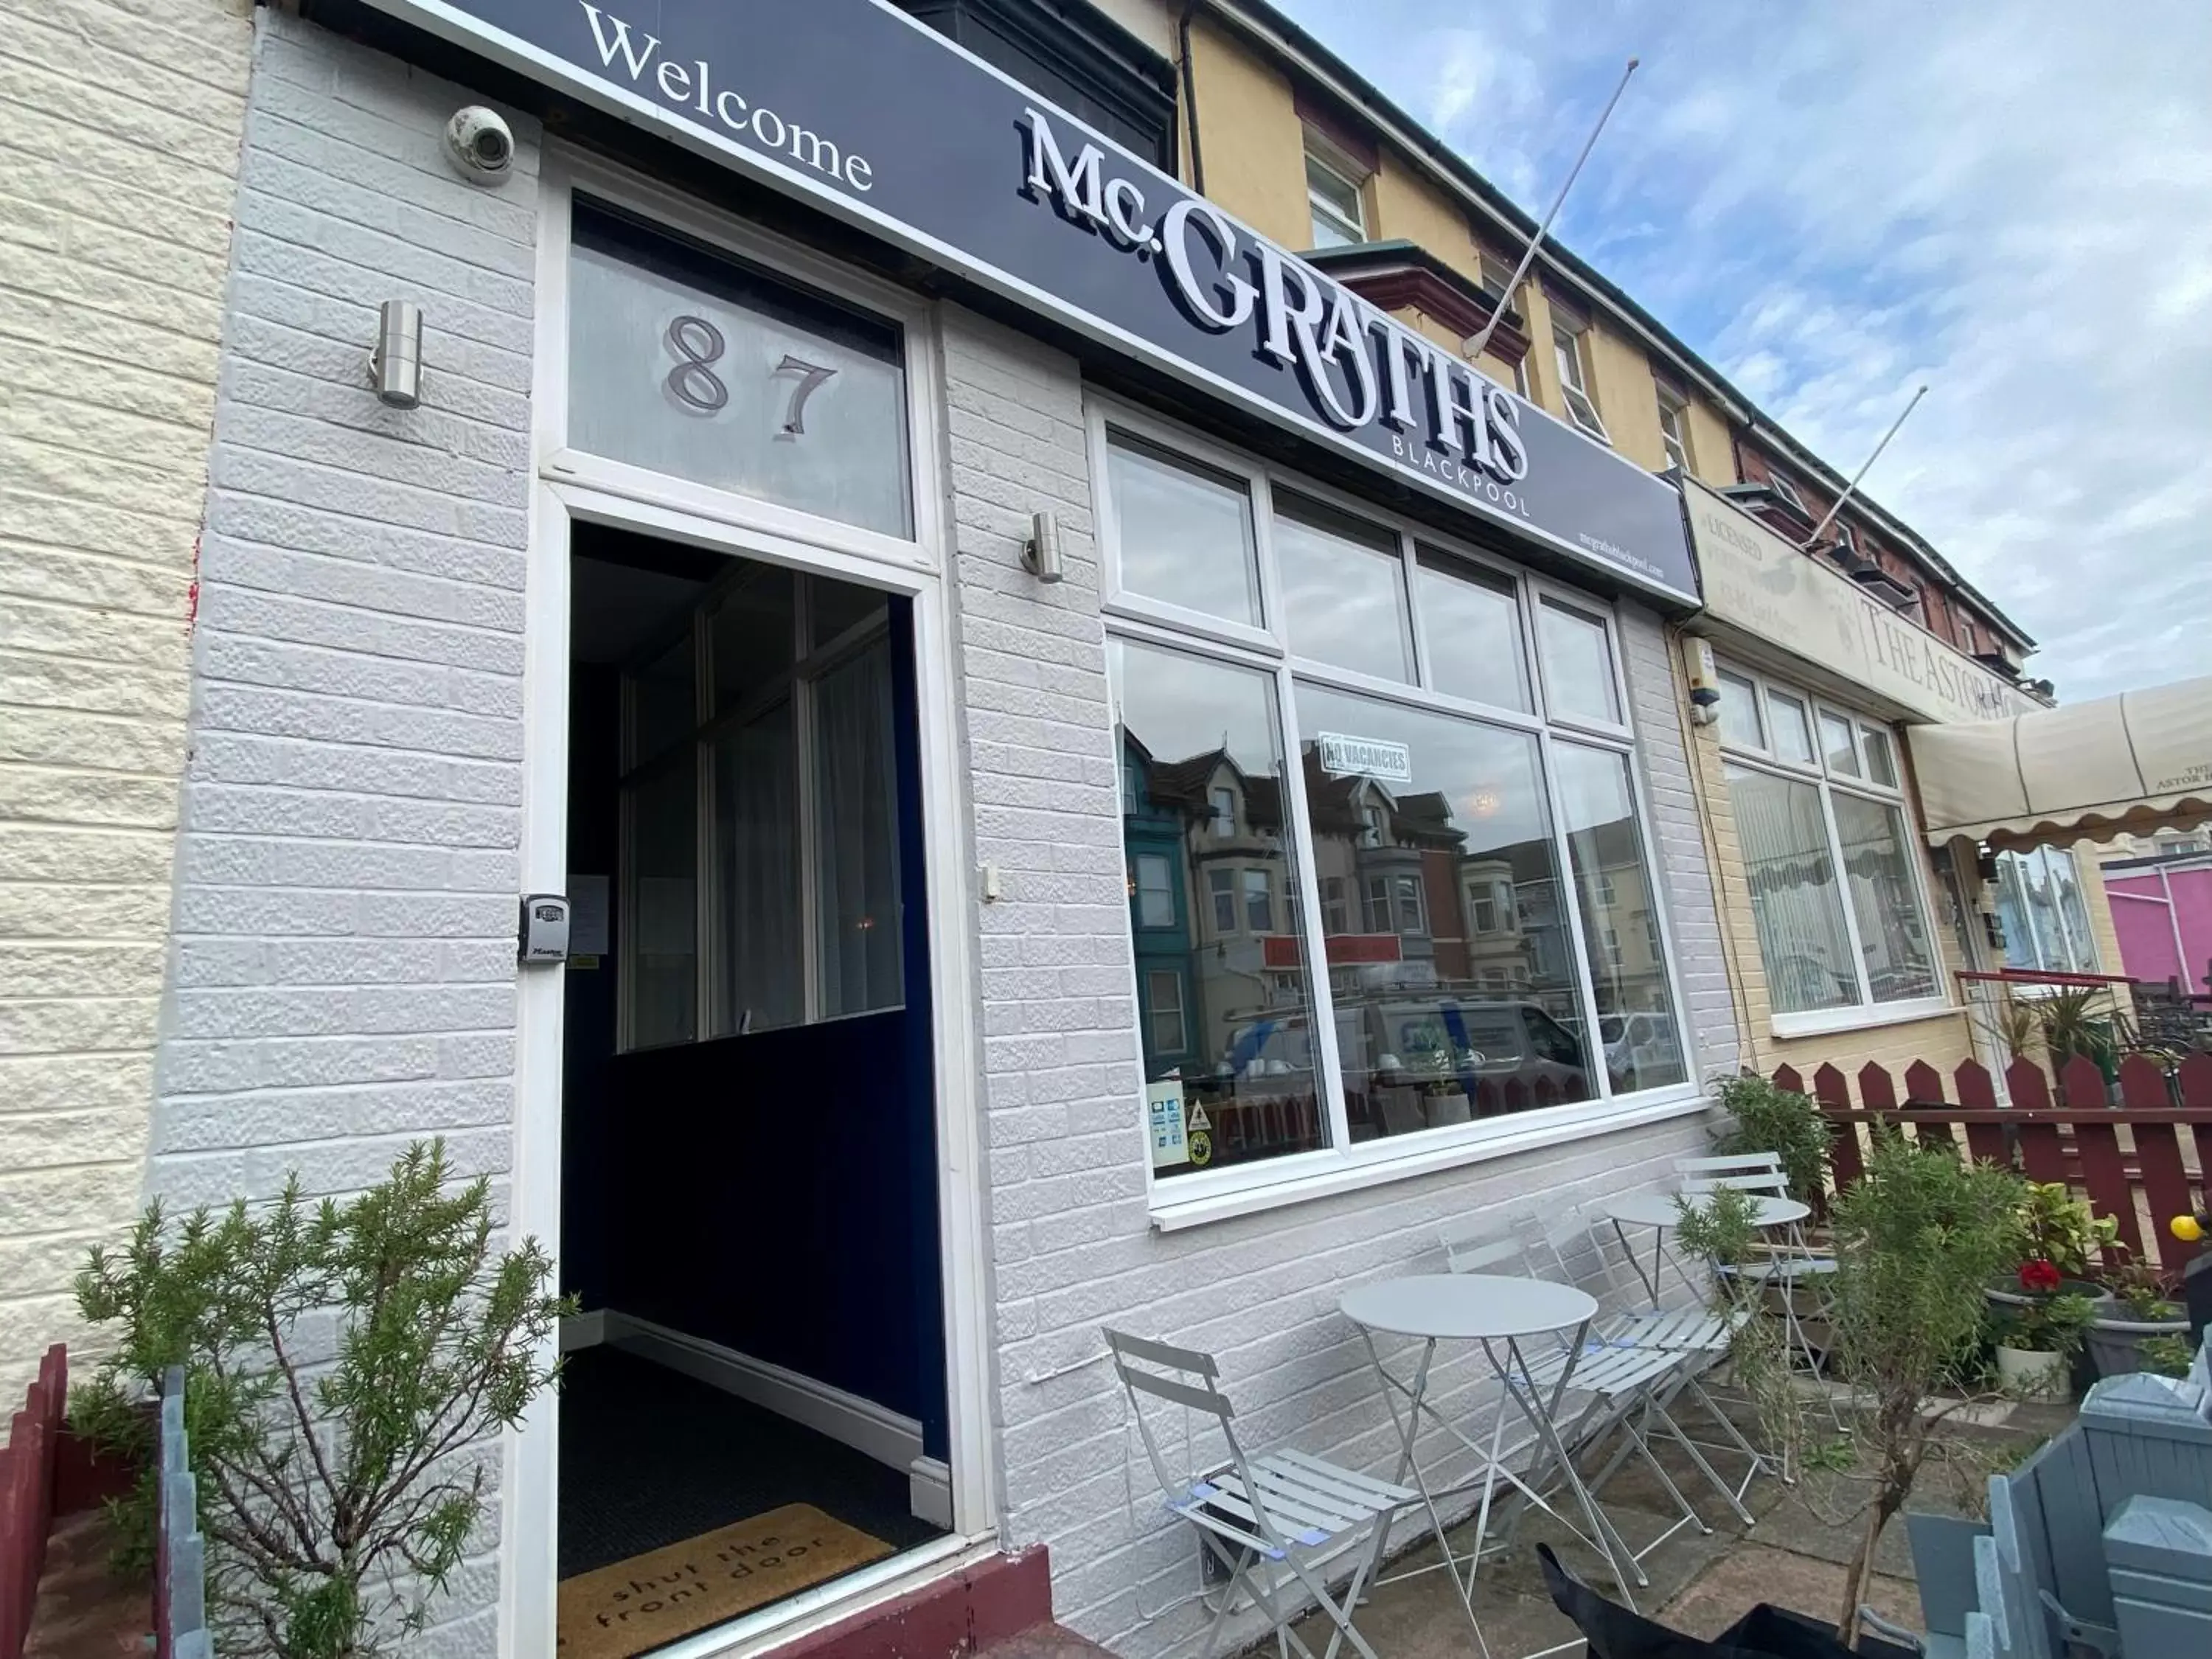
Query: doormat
(651, 1598)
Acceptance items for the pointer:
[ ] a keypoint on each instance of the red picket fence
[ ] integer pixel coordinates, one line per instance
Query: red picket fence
(27, 1498)
(2142, 1162)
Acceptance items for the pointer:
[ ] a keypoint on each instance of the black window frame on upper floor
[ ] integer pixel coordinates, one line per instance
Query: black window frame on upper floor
(1084, 62)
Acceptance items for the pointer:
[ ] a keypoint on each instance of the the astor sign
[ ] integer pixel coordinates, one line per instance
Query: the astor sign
(881, 121)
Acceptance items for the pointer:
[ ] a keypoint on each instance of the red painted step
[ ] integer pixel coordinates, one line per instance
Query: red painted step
(1001, 1607)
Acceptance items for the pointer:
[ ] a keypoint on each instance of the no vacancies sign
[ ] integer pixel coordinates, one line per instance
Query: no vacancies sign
(877, 118)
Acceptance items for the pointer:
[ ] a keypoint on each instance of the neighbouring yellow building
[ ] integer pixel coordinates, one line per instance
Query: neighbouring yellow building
(1844, 930)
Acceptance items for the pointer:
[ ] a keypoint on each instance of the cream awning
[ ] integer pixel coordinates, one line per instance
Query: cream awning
(2139, 761)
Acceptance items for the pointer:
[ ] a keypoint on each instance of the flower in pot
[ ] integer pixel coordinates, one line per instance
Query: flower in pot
(2037, 1335)
(2136, 1314)
(2053, 1230)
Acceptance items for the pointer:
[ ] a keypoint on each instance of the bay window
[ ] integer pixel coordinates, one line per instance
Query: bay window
(1431, 764)
(1837, 896)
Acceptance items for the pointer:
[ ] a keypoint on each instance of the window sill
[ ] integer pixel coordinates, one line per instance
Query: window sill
(1827, 1021)
(1377, 1164)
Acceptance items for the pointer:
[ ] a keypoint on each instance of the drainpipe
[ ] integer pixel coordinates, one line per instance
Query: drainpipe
(1190, 97)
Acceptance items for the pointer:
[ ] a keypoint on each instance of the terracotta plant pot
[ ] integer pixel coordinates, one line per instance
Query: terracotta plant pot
(2036, 1376)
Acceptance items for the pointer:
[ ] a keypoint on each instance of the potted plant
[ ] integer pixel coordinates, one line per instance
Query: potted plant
(1762, 1118)
(1917, 1238)
(2036, 1338)
(1447, 1102)
(2138, 1312)
(348, 1367)
(2052, 1228)
(1765, 1118)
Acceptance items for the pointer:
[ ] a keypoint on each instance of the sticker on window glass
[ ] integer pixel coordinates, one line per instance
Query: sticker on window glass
(1343, 756)
(1164, 1115)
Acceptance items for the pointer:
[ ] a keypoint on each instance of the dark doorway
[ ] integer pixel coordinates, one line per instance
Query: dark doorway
(748, 1186)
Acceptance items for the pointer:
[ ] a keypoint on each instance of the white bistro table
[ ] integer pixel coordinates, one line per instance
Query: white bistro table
(1661, 1213)
(1501, 1314)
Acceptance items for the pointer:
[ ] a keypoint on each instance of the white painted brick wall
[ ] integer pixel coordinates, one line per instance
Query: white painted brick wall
(1071, 1244)
(343, 979)
(119, 124)
(1655, 696)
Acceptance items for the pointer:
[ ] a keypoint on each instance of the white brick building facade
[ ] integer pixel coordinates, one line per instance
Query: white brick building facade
(119, 124)
(342, 973)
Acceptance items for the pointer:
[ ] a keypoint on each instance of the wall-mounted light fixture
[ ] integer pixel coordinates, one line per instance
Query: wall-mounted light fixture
(395, 365)
(1704, 680)
(1040, 553)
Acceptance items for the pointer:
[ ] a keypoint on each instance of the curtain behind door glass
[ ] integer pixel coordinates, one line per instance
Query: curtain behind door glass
(663, 867)
(856, 837)
(762, 971)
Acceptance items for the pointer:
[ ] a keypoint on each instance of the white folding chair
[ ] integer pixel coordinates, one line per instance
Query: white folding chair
(1700, 1336)
(1608, 1389)
(1271, 1520)
(1785, 1268)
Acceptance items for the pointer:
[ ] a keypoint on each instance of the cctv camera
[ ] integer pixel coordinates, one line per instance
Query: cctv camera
(481, 144)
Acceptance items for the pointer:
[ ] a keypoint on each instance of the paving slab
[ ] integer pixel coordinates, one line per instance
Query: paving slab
(1751, 1573)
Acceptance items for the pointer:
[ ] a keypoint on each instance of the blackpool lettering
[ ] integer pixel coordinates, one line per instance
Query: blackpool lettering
(1359, 367)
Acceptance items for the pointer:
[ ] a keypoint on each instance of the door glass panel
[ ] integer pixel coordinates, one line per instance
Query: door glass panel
(663, 704)
(664, 871)
(839, 607)
(856, 842)
(1247, 1085)
(1643, 1042)
(1900, 958)
(1577, 666)
(1344, 589)
(1797, 908)
(1458, 998)
(692, 364)
(752, 635)
(1183, 533)
(760, 965)
(1471, 628)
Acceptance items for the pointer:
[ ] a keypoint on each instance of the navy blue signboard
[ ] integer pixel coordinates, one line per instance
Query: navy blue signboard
(878, 120)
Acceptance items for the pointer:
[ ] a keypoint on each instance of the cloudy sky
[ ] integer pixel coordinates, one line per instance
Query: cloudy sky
(1833, 202)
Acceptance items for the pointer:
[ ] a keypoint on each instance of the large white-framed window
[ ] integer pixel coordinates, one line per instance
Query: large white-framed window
(2040, 903)
(1838, 890)
(1439, 805)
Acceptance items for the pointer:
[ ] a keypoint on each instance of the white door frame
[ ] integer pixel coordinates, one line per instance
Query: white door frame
(566, 486)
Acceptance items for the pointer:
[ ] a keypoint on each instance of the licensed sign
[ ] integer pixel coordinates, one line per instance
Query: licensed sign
(878, 120)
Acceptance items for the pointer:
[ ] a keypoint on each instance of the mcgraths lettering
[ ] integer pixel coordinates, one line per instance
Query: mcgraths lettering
(1358, 366)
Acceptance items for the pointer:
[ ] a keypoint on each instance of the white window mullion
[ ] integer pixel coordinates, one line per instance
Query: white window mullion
(706, 885)
(1571, 911)
(1309, 917)
(808, 792)
(1847, 899)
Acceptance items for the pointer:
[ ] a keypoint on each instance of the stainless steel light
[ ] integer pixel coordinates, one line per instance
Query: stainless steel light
(1040, 553)
(395, 366)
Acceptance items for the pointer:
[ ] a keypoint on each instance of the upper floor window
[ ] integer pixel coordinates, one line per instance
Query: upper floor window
(1333, 191)
(1571, 349)
(1674, 427)
(1778, 482)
